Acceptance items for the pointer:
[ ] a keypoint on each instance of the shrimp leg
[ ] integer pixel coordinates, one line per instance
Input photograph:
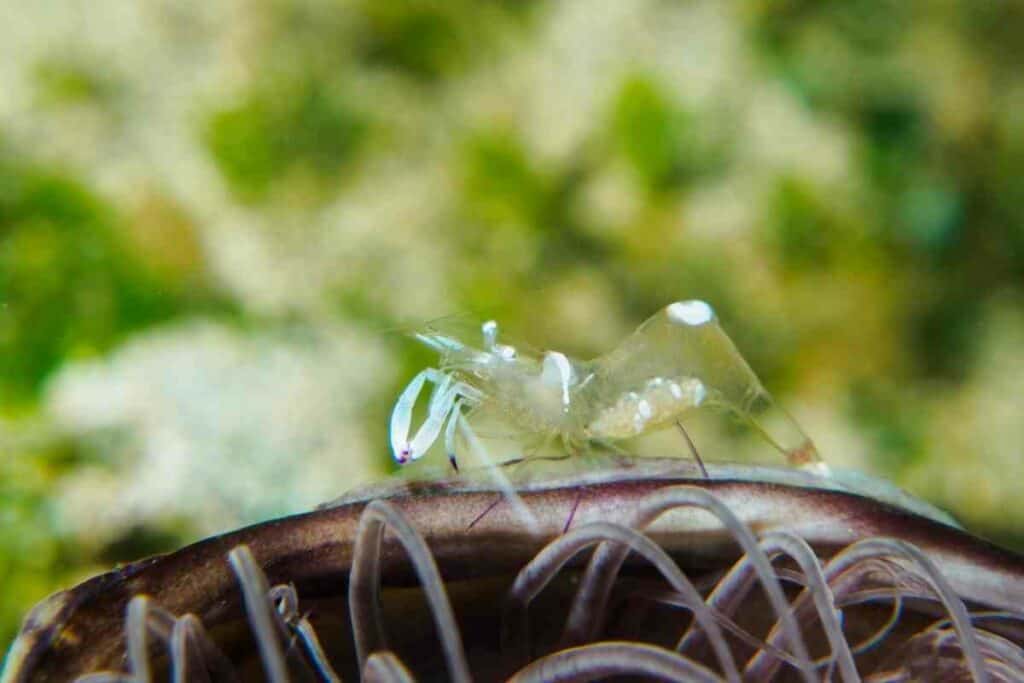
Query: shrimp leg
(508, 490)
(449, 432)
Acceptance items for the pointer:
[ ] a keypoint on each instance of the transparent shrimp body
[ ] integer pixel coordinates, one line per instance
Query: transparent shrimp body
(534, 392)
(678, 360)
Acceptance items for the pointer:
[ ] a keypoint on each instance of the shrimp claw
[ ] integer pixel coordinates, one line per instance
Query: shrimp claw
(445, 405)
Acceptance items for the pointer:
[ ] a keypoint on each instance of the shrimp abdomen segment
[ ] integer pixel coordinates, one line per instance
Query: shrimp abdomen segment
(685, 340)
(660, 402)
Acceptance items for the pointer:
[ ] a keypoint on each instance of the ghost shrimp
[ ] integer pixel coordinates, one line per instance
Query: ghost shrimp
(678, 360)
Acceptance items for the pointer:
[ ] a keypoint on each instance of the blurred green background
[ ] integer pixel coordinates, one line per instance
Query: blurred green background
(216, 217)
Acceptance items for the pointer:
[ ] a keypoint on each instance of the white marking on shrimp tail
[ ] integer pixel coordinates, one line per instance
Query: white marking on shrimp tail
(693, 312)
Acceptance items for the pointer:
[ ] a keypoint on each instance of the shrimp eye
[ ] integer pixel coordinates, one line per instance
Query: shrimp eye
(403, 455)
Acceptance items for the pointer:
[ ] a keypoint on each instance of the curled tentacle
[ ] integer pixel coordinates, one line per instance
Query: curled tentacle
(595, 587)
(192, 654)
(539, 572)
(186, 651)
(599, 660)
(256, 594)
(287, 601)
(937, 654)
(728, 624)
(762, 667)
(385, 667)
(781, 542)
(364, 587)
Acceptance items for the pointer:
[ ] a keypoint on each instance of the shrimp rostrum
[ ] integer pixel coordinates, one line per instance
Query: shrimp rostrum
(678, 360)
